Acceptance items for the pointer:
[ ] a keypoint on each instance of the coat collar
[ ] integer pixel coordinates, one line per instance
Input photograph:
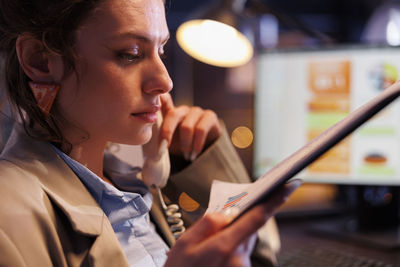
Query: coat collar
(57, 180)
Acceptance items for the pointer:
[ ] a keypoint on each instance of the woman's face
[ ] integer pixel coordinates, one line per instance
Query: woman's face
(114, 93)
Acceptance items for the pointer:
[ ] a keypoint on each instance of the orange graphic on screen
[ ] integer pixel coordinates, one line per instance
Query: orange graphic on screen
(329, 85)
(329, 77)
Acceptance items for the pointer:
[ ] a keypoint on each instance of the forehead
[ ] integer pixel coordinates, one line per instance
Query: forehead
(117, 17)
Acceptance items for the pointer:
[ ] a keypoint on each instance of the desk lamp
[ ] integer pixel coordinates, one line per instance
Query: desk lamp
(214, 38)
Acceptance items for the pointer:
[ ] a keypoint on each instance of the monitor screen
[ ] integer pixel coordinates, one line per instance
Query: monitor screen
(299, 94)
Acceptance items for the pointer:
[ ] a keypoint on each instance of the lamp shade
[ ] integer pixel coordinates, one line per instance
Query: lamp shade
(214, 38)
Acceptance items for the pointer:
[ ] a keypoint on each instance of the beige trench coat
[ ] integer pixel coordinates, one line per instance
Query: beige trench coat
(48, 218)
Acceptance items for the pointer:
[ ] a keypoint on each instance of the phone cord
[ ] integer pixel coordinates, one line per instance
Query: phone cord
(174, 217)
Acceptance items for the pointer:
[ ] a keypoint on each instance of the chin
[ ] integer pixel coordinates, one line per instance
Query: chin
(145, 140)
(138, 138)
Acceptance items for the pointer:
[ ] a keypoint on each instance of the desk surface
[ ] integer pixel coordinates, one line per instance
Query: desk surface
(295, 234)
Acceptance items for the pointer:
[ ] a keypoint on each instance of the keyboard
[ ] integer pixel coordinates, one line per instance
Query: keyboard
(325, 257)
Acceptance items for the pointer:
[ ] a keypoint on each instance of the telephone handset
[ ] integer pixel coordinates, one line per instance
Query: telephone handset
(156, 167)
(155, 173)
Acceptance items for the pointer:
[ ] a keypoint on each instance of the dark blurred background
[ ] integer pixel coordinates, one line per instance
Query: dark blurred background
(299, 24)
(343, 20)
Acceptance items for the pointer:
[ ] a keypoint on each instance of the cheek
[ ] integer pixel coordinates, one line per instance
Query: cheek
(114, 84)
(81, 100)
(102, 99)
(101, 90)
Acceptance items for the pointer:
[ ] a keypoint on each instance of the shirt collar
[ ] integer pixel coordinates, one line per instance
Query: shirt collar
(102, 191)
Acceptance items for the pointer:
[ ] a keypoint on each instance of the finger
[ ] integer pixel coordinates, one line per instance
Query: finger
(206, 226)
(166, 103)
(238, 260)
(171, 120)
(207, 129)
(247, 246)
(187, 128)
(222, 255)
(241, 256)
(256, 217)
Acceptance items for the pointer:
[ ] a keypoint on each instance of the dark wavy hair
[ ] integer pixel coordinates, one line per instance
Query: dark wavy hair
(54, 23)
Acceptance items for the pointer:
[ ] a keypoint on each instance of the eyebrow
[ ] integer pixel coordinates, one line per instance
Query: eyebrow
(136, 36)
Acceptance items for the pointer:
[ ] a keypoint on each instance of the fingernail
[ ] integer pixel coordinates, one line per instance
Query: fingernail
(186, 155)
(193, 156)
(293, 185)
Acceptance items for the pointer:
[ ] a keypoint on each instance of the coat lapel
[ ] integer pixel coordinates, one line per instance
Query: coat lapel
(66, 191)
(57, 180)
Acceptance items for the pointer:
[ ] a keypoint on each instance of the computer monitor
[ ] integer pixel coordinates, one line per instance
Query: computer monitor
(300, 93)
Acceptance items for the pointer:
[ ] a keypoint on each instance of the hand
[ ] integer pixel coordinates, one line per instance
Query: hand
(188, 130)
(210, 242)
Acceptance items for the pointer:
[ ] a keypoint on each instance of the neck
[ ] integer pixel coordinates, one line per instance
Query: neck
(90, 154)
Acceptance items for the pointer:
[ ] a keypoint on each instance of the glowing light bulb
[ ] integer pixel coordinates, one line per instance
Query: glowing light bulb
(214, 43)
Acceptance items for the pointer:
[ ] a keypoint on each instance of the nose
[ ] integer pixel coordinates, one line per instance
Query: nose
(157, 79)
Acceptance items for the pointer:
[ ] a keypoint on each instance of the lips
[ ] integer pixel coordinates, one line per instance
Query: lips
(148, 115)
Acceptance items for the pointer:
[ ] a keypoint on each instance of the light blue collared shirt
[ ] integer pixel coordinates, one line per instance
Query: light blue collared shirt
(127, 209)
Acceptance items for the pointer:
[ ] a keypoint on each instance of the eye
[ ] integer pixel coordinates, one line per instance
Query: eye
(127, 57)
(131, 55)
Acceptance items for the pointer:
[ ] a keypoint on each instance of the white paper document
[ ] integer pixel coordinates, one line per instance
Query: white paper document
(226, 195)
(240, 197)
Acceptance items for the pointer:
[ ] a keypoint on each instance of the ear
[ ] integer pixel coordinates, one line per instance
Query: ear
(39, 64)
